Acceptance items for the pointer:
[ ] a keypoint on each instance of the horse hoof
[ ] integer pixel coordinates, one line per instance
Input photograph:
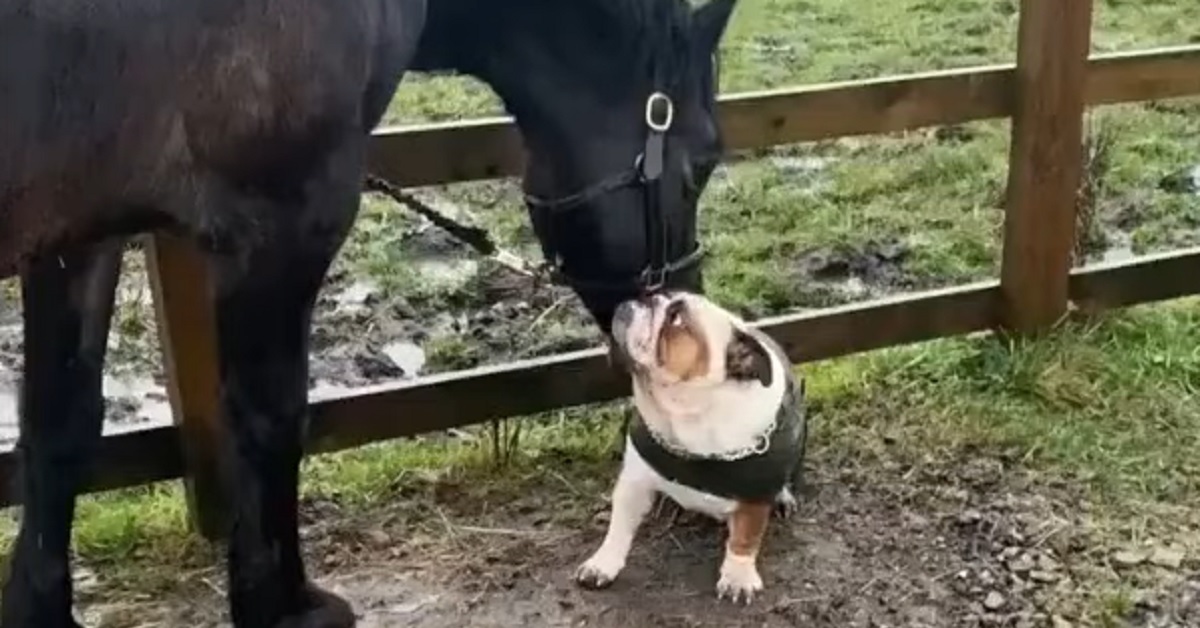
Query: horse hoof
(21, 609)
(323, 610)
(70, 623)
(38, 623)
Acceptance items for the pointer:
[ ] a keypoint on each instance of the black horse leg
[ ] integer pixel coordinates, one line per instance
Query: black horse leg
(264, 311)
(68, 303)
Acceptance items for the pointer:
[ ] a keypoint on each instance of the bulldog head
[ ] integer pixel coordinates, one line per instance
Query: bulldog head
(680, 337)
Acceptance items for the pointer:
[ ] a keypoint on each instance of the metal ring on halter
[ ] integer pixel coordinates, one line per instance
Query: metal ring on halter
(654, 125)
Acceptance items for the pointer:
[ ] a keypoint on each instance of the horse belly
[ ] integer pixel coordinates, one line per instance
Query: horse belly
(86, 116)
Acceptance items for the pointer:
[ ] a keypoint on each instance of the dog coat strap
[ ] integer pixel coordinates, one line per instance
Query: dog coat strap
(757, 477)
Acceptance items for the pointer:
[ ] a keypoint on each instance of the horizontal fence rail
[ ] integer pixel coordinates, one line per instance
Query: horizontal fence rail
(490, 148)
(467, 397)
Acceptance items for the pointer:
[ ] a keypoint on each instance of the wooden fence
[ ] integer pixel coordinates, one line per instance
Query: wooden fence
(1045, 93)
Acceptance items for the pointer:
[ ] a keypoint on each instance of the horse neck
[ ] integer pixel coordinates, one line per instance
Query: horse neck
(508, 46)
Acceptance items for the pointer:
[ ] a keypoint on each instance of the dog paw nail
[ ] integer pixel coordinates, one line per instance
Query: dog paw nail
(592, 578)
(738, 593)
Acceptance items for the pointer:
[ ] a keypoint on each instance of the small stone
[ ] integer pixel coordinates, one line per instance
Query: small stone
(1009, 553)
(970, 516)
(994, 601)
(1129, 558)
(1046, 563)
(379, 538)
(923, 616)
(1141, 598)
(1038, 575)
(1167, 557)
(917, 521)
(1021, 564)
(1059, 622)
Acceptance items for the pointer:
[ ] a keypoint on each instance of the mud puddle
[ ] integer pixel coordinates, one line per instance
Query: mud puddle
(834, 275)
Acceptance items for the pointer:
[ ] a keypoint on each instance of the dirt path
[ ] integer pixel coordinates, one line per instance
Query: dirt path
(978, 546)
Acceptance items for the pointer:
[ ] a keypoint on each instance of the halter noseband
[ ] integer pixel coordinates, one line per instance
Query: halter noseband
(645, 173)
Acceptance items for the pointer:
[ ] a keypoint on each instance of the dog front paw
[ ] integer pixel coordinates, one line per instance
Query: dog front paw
(739, 581)
(598, 572)
(786, 504)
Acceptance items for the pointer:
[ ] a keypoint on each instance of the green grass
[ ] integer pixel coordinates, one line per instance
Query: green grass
(1111, 406)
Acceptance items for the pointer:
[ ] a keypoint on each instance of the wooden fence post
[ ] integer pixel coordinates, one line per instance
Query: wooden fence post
(187, 331)
(1045, 161)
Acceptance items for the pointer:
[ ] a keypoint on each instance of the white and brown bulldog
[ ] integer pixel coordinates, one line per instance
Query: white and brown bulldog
(720, 428)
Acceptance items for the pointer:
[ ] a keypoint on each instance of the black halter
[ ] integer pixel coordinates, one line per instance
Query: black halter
(646, 173)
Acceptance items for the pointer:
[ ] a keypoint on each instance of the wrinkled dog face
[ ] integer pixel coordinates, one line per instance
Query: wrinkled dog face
(684, 337)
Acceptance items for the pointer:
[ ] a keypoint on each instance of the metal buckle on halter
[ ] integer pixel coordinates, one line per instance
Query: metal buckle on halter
(651, 161)
(653, 279)
(668, 112)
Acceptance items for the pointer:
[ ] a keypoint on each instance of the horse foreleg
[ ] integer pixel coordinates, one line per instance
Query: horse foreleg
(264, 305)
(68, 303)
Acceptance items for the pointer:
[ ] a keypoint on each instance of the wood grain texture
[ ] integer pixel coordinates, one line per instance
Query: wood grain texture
(1045, 161)
(186, 321)
(1143, 280)
(1155, 74)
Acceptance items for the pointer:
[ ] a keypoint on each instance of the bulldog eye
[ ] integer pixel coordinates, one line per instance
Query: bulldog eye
(675, 314)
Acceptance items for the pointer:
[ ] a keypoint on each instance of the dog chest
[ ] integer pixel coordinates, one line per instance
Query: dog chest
(756, 477)
(697, 501)
(688, 498)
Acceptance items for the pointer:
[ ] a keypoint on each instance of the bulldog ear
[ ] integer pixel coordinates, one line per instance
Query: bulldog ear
(709, 21)
(746, 359)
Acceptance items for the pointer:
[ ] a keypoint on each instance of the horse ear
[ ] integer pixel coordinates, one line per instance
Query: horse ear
(709, 21)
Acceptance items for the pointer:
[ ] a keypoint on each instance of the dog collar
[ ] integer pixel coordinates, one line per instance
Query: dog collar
(762, 442)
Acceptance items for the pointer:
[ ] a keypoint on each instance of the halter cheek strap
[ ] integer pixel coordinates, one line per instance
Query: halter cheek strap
(646, 173)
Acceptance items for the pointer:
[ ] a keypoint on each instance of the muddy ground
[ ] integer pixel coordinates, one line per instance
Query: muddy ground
(972, 543)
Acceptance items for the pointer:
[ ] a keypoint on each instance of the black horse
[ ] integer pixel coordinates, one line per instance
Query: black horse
(242, 125)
